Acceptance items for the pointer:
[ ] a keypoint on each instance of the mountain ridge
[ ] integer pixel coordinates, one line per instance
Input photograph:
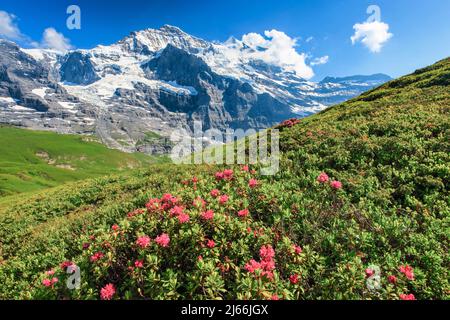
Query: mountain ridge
(109, 91)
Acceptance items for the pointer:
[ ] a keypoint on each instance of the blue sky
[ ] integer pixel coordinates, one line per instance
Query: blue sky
(420, 29)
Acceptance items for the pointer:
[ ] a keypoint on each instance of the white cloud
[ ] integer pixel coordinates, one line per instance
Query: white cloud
(320, 60)
(8, 26)
(372, 34)
(52, 39)
(278, 49)
(309, 39)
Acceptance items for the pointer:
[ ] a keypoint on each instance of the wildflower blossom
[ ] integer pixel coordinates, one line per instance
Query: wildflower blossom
(219, 176)
(50, 272)
(96, 256)
(176, 211)
(252, 266)
(143, 241)
(163, 240)
(293, 278)
(392, 279)
(407, 296)
(107, 292)
(139, 263)
(208, 215)
(115, 227)
(267, 252)
(243, 213)
(223, 199)
(336, 185)
(297, 249)
(369, 272)
(228, 174)
(253, 183)
(47, 282)
(210, 244)
(215, 193)
(183, 218)
(66, 264)
(407, 271)
(274, 297)
(322, 178)
(245, 168)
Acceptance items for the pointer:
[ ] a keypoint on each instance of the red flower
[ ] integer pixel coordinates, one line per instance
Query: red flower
(297, 249)
(86, 245)
(176, 211)
(267, 252)
(407, 271)
(219, 176)
(223, 199)
(407, 296)
(336, 185)
(50, 272)
(107, 292)
(115, 227)
(54, 280)
(322, 178)
(183, 218)
(152, 205)
(210, 244)
(215, 193)
(143, 241)
(163, 240)
(245, 168)
(392, 279)
(369, 272)
(252, 265)
(274, 297)
(253, 183)
(139, 263)
(293, 278)
(65, 265)
(228, 174)
(194, 180)
(96, 256)
(47, 283)
(208, 215)
(243, 213)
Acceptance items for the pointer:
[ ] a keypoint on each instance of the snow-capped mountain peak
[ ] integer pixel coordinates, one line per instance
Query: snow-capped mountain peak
(157, 80)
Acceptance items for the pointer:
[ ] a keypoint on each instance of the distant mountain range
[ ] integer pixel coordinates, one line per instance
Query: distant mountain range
(153, 81)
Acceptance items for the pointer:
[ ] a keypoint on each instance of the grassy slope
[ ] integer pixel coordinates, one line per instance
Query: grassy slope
(389, 147)
(25, 156)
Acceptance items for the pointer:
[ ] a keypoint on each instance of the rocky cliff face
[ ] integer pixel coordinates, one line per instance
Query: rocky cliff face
(153, 82)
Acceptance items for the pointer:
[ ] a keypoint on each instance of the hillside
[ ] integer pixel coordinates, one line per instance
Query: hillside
(33, 160)
(359, 210)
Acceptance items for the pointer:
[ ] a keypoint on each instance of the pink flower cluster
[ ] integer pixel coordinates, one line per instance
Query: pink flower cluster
(64, 265)
(163, 240)
(407, 296)
(143, 241)
(227, 174)
(289, 123)
(178, 212)
(266, 264)
(166, 202)
(407, 271)
(253, 183)
(297, 249)
(323, 178)
(208, 215)
(108, 292)
(49, 282)
(97, 256)
(243, 213)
